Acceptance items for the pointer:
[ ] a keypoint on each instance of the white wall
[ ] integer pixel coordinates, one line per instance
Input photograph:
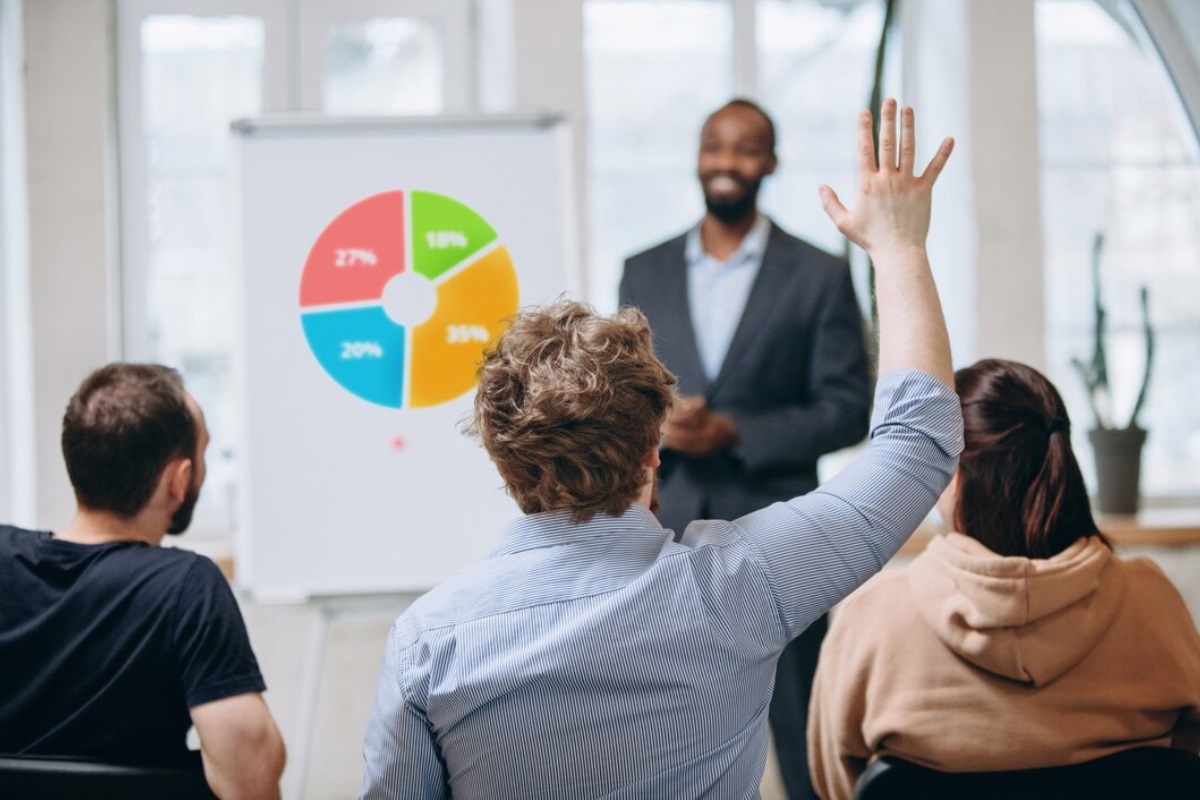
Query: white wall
(71, 151)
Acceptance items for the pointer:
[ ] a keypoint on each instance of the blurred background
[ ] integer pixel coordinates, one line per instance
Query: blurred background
(1073, 118)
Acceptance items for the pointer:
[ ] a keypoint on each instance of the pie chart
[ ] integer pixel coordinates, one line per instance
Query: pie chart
(401, 294)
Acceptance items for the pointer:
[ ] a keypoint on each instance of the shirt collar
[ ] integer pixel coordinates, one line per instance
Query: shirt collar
(753, 245)
(551, 528)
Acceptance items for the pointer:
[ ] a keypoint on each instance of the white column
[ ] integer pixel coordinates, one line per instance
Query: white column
(70, 156)
(971, 73)
(17, 485)
(548, 75)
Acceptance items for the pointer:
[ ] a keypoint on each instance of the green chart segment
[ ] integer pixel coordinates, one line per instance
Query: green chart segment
(444, 232)
(367, 344)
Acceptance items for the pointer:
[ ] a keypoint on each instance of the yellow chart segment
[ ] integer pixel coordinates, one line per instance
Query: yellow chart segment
(473, 308)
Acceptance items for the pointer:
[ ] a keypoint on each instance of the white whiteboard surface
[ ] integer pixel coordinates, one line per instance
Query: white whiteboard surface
(340, 495)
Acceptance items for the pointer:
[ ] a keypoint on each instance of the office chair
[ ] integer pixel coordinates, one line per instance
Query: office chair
(62, 778)
(1142, 772)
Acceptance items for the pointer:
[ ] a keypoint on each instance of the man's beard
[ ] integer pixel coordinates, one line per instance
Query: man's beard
(183, 515)
(733, 209)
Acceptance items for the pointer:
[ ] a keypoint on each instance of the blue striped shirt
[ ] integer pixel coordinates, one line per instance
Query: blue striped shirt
(606, 660)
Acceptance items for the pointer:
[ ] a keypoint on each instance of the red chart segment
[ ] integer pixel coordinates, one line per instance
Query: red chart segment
(357, 254)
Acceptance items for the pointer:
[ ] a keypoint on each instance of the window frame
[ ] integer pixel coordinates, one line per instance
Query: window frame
(133, 167)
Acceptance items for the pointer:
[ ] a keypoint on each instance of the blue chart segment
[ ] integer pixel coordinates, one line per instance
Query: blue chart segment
(360, 348)
(401, 294)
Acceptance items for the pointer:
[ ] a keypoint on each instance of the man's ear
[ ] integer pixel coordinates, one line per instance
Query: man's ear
(178, 476)
(652, 459)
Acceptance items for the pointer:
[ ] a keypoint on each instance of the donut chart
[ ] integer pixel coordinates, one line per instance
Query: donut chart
(401, 293)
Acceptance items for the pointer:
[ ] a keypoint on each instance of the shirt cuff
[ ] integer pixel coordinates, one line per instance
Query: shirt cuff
(919, 401)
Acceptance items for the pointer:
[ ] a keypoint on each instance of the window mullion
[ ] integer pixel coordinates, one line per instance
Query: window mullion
(745, 48)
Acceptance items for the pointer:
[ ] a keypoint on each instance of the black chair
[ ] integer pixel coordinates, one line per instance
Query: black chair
(1143, 772)
(60, 778)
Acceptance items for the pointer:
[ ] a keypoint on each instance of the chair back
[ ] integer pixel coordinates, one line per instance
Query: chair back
(63, 778)
(1159, 772)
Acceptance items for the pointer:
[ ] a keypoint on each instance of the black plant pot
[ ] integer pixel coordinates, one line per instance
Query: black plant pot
(1118, 468)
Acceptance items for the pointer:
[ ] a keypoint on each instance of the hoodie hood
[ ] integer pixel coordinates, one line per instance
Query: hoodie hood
(1029, 620)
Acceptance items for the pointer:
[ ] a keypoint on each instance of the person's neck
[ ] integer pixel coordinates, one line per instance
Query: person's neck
(101, 527)
(721, 239)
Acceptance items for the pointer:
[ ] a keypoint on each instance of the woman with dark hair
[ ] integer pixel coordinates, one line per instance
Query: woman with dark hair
(1019, 640)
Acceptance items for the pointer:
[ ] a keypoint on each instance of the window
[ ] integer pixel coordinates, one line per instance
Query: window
(655, 69)
(815, 69)
(1119, 158)
(197, 74)
(187, 68)
(384, 65)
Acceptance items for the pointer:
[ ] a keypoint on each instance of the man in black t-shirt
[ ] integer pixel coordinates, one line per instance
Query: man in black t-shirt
(111, 647)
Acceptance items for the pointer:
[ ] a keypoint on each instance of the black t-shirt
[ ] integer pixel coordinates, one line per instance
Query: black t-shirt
(104, 648)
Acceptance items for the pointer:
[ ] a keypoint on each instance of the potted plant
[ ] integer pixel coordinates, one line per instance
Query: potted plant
(1118, 450)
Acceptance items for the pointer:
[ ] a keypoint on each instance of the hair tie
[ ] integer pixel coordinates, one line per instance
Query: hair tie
(1054, 424)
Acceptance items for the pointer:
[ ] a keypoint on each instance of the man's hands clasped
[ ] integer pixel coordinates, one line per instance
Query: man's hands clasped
(694, 429)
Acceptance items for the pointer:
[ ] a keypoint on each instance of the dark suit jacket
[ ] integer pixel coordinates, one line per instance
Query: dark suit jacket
(795, 379)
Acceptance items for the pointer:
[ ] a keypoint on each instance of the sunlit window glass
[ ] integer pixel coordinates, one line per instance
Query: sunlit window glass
(197, 74)
(1119, 158)
(383, 66)
(815, 64)
(655, 69)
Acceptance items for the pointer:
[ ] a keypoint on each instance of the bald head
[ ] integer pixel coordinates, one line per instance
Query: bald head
(753, 114)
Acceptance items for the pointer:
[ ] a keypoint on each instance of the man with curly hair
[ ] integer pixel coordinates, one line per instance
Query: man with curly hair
(592, 655)
(765, 334)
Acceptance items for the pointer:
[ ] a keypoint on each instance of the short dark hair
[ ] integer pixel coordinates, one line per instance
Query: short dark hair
(1020, 491)
(122, 427)
(741, 102)
(569, 404)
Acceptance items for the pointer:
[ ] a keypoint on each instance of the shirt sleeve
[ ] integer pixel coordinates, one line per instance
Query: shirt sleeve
(401, 755)
(215, 659)
(816, 549)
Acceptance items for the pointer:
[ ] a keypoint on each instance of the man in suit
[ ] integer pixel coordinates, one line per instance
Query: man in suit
(765, 336)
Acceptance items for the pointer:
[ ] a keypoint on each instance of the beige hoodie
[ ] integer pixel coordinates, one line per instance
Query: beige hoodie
(970, 661)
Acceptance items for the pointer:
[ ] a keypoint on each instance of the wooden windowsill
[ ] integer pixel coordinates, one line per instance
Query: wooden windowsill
(1161, 527)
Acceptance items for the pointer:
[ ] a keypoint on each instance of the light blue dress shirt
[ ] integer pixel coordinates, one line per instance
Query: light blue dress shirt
(604, 659)
(718, 290)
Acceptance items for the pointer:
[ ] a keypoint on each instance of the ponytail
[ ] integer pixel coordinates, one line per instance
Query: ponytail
(1021, 492)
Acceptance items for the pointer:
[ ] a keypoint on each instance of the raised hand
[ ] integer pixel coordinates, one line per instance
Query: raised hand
(891, 211)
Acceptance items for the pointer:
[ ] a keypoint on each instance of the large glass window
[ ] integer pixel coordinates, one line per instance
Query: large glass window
(383, 66)
(197, 74)
(1119, 159)
(655, 69)
(184, 78)
(816, 63)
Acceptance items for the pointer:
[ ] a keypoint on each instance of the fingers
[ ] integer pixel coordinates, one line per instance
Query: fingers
(887, 135)
(938, 161)
(908, 141)
(833, 206)
(866, 145)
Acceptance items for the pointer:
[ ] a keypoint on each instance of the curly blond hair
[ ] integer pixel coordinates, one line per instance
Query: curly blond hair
(569, 403)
